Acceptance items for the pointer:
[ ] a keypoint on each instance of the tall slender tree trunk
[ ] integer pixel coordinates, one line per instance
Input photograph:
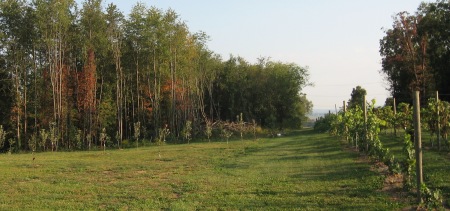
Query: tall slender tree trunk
(25, 100)
(18, 106)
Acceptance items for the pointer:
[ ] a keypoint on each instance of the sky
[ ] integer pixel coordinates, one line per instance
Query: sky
(337, 40)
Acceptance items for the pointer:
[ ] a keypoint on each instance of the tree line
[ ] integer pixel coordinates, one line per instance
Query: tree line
(83, 74)
(416, 52)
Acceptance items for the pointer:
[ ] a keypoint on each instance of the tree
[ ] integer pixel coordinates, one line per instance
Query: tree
(269, 92)
(434, 26)
(103, 138)
(114, 21)
(357, 97)
(93, 89)
(86, 98)
(54, 23)
(17, 34)
(415, 52)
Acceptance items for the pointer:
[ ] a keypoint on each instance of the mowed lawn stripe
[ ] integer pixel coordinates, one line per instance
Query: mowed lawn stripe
(300, 171)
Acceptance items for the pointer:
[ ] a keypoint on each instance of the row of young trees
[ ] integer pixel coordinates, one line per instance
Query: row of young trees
(83, 73)
(416, 52)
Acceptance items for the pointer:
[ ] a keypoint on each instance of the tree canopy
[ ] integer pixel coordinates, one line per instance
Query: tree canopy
(416, 52)
(357, 97)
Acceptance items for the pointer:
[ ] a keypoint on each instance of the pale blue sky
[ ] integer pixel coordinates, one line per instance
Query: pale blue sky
(337, 40)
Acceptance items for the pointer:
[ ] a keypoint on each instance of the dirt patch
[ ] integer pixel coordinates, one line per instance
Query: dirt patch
(141, 172)
(108, 172)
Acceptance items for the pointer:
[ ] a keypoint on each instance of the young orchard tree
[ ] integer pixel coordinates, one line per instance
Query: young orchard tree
(89, 140)
(208, 130)
(54, 136)
(104, 138)
(225, 132)
(254, 127)
(241, 125)
(162, 134)
(187, 131)
(44, 137)
(11, 145)
(32, 145)
(137, 132)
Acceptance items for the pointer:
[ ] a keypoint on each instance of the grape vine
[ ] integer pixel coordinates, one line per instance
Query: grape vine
(362, 128)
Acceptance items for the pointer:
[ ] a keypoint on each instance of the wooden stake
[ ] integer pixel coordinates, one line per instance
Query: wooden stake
(346, 128)
(418, 143)
(438, 122)
(395, 118)
(365, 125)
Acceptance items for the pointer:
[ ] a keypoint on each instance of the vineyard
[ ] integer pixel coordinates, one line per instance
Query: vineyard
(391, 135)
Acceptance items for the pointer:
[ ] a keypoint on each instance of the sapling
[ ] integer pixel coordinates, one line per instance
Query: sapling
(11, 143)
(225, 133)
(53, 136)
(118, 139)
(78, 139)
(137, 132)
(89, 140)
(163, 132)
(208, 130)
(187, 130)
(103, 138)
(44, 137)
(241, 124)
(254, 129)
(32, 144)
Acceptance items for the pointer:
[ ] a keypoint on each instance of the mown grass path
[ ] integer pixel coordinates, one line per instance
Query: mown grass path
(301, 171)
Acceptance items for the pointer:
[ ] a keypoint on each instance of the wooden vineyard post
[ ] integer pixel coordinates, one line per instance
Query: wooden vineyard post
(418, 143)
(395, 118)
(346, 128)
(365, 125)
(438, 122)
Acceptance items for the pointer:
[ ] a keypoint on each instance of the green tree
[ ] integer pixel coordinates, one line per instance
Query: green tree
(17, 34)
(357, 97)
(434, 26)
(415, 51)
(114, 20)
(54, 25)
(269, 92)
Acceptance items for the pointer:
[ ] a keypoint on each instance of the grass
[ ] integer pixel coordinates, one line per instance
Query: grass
(301, 171)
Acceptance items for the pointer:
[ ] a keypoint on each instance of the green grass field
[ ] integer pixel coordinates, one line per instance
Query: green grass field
(300, 171)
